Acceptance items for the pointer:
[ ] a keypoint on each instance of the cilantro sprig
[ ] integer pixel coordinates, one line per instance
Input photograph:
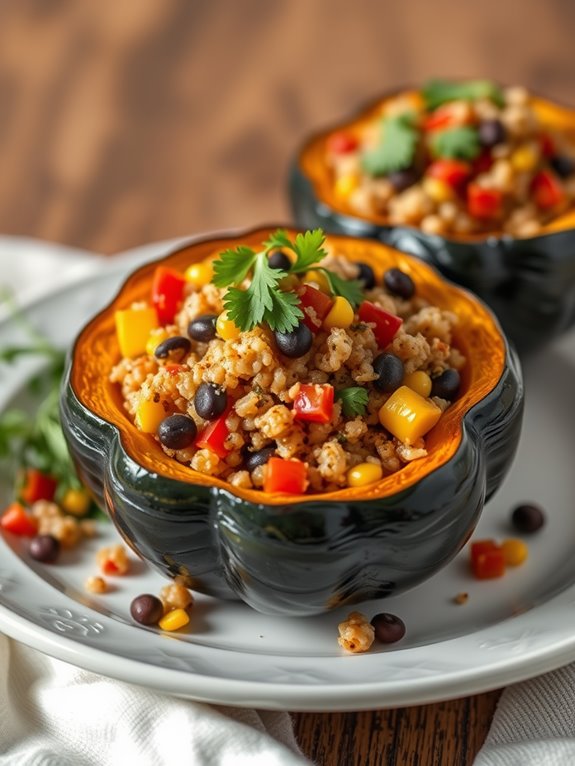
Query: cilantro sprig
(438, 92)
(354, 400)
(263, 301)
(37, 441)
(396, 147)
(461, 143)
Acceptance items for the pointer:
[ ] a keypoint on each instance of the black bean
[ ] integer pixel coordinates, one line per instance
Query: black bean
(403, 179)
(147, 609)
(491, 132)
(399, 283)
(562, 165)
(261, 457)
(279, 260)
(295, 343)
(390, 369)
(528, 518)
(203, 328)
(177, 431)
(388, 628)
(446, 385)
(210, 401)
(175, 348)
(44, 548)
(366, 276)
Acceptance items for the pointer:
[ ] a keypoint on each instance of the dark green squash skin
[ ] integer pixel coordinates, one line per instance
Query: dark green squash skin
(311, 556)
(529, 283)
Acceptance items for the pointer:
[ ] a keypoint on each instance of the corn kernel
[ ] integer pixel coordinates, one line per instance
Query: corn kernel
(199, 274)
(420, 382)
(174, 620)
(438, 190)
(133, 328)
(346, 185)
(364, 473)
(149, 415)
(225, 328)
(76, 502)
(524, 158)
(96, 584)
(155, 338)
(320, 279)
(408, 416)
(340, 314)
(515, 551)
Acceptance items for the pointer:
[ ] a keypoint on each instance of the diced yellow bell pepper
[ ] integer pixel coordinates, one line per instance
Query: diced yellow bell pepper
(149, 415)
(524, 158)
(408, 416)
(133, 327)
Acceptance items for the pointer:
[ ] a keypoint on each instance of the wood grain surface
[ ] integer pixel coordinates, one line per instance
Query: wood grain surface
(124, 122)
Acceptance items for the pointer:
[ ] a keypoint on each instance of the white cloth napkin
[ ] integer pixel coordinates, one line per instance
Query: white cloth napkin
(54, 714)
(534, 724)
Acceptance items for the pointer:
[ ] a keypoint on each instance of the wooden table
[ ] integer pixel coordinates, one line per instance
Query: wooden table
(127, 122)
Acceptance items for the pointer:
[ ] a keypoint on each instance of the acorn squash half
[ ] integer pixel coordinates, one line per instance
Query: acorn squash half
(298, 554)
(528, 282)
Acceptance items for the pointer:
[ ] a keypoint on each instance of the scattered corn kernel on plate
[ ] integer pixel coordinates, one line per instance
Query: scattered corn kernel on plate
(463, 635)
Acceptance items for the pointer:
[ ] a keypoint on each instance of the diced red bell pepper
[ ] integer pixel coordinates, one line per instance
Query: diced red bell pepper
(38, 486)
(443, 117)
(547, 190)
(318, 304)
(314, 403)
(214, 434)
(109, 567)
(484, 203)
(487, 560)
(16, 520)
(341, 143)
(287, 476)
(386, 324)
(547, 145)
(452, 172)
(167, 293)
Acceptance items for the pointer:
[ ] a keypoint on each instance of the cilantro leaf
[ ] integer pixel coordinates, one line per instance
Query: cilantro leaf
(396, 148)
(278, 239)
(460, 143)
(350, 289)
(353, 400)
(438, 92)
(263, 301)
(233, 266)
(308, 248)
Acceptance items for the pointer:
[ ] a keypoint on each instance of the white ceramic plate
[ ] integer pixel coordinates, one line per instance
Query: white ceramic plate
(510, 629)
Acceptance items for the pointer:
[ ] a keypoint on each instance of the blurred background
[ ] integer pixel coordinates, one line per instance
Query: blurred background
(124, 122)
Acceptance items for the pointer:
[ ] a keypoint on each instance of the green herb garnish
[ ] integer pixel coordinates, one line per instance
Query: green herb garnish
(461, 143)
(37, 441)
(396, 148)
(353, 400)
(438, 92)
(263, 301)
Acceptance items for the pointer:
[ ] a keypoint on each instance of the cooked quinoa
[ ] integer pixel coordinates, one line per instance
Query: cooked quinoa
(477, 158)
(255, 391)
